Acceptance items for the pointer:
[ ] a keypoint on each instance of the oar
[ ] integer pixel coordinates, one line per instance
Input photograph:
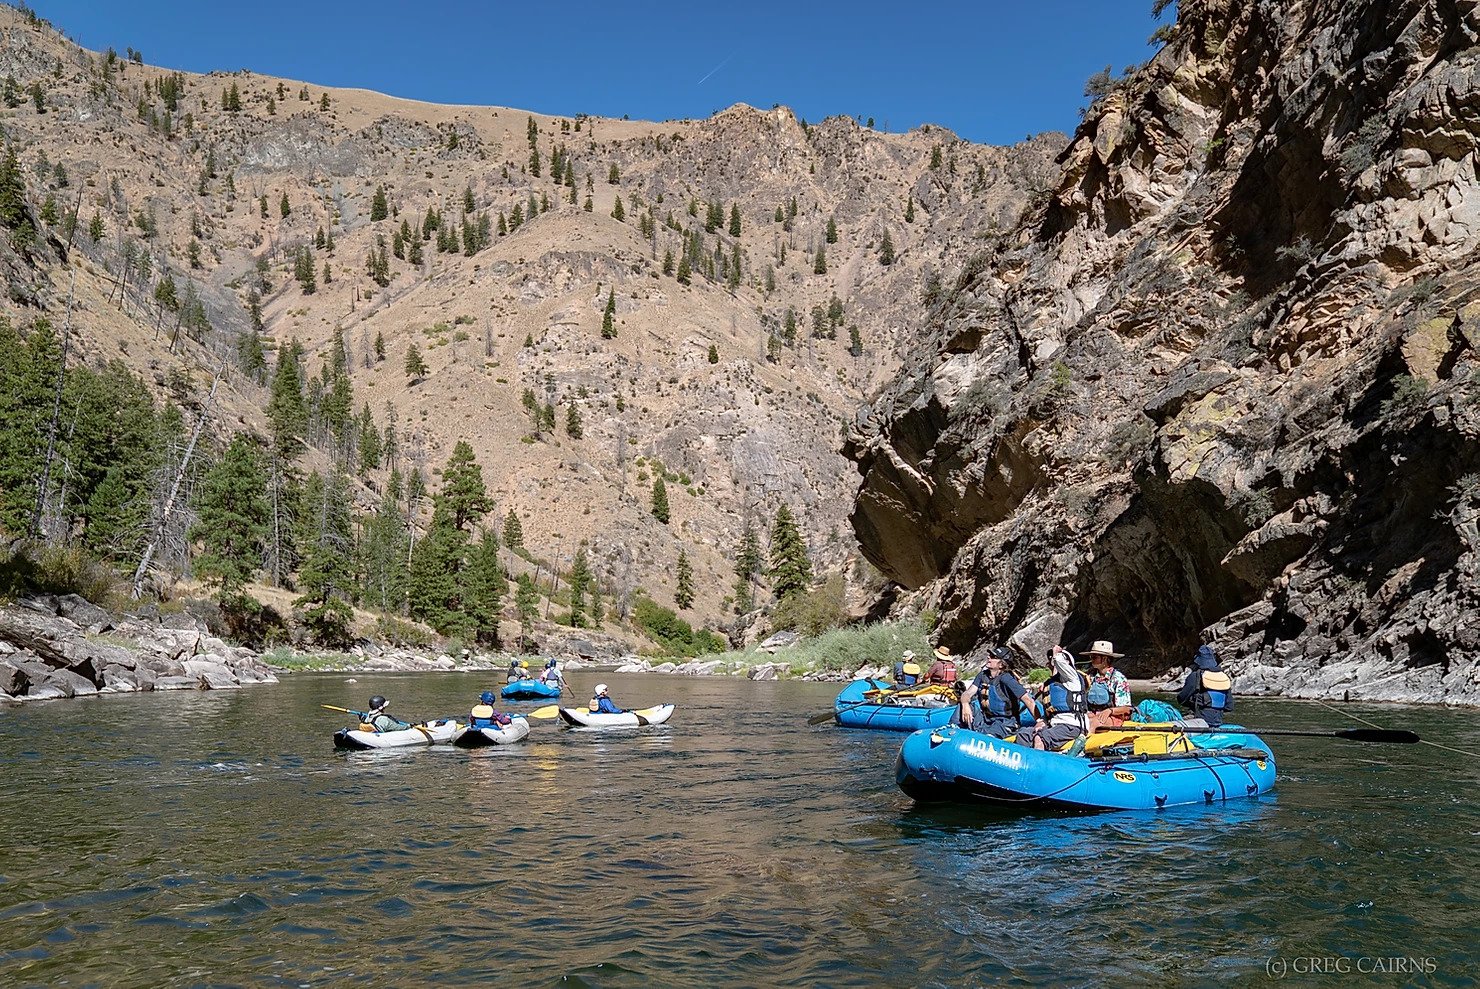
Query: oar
(362, 715)
(1393, 735)
(1193, 754)
(552, 711)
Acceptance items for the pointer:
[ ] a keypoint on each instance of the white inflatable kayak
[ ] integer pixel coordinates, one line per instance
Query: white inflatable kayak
(431, 733)
(627, 719)
(468, 737)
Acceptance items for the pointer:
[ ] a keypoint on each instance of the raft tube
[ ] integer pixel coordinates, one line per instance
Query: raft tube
(579, 718)
(958, 764)
(850, 713)
(469, 737)
(431, 733)
(528, 690)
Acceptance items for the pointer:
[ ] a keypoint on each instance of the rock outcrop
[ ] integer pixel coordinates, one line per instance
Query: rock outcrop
(1222, 384)
(65, 647)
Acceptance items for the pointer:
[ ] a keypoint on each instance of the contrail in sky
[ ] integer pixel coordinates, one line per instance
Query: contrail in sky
(716, 69)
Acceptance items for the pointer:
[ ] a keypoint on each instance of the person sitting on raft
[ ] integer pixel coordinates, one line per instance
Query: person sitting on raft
(602, 704)
(379, 719)
(484, 716)
(1067, 694)
(514, 673)
(551, 673)
(943, 668)
(1208, 691)
(906, 671)
(1102, 657)
(998, 694)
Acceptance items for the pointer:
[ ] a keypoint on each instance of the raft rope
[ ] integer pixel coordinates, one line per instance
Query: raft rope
(1369, 724)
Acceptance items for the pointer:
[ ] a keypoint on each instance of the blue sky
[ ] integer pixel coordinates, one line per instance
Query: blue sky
(992, 71)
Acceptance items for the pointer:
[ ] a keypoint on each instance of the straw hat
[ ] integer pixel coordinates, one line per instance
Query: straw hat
(942, 652)
(1103, 647)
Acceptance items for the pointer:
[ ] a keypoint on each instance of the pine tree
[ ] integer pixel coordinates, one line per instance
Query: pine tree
(668, 261)
(573, 422)
(713, 354)
(909, 210)
(791, 568)
(734, 219)
(383, 551)
(379, 207)
(580, 582)
(287, 412)
(285, 209)
(526, 603)
(326, 575)
(232, 518)
(463, 490)
(684, 595)
(369, 438)
(608, 316)
(484, 586)
(685, 271)
(433, 581)
(513, 531)
(416, 368)
(747, 568)
(855, 342)
(303, 271)
(660, 500)
(832, 231)
(618, 213)
(534, 161)
(819, 266)
(886, 250)
(613, 175)
(379, 346)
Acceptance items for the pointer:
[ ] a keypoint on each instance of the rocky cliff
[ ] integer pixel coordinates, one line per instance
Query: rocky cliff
(1220, 385)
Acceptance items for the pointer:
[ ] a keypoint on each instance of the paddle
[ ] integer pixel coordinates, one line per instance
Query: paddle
(1394, 736)
(364, 716)
(1194, 754)
(552, 711)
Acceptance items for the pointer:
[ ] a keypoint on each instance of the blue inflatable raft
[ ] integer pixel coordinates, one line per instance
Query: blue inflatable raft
(853, 710)
(529, 690)
(953, 763)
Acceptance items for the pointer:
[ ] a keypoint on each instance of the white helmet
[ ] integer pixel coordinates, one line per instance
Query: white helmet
(600, 689)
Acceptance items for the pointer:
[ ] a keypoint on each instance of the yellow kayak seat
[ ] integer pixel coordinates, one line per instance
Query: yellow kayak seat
(1127, 741)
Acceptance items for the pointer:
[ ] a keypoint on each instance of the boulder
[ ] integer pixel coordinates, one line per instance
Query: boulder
(779, 640)
(213, 674)
(162, 666)
(177, 683)
(42, 604)
(120, 680)
(84, 613)
(13, 680)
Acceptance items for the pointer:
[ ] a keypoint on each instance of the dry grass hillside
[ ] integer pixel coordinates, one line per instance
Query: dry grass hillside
(180, 179)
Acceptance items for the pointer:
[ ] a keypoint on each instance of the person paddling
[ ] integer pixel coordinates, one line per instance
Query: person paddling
(381, 720)
(551, 673)
(998, 693)
(484, 716)
(602, 704)
(1208, 691)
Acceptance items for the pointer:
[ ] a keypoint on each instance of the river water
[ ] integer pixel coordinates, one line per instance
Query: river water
(216, 838)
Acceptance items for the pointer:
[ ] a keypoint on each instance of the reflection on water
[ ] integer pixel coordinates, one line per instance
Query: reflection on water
(217, 838)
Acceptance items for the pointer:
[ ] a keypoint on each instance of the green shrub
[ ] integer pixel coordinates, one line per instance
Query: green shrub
(1408, 394)
(398, 632)
(811, 613)
(31, 569)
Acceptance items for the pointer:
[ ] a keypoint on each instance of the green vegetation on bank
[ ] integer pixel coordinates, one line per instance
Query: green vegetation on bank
(878, 644)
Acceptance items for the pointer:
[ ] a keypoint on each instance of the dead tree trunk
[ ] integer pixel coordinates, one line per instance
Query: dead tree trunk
(169, 503)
